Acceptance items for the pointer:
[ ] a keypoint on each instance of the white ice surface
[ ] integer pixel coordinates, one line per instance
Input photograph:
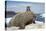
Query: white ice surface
(8, 19)
(38, 25)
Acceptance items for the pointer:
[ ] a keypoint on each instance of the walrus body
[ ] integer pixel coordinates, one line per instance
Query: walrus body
(22, 19)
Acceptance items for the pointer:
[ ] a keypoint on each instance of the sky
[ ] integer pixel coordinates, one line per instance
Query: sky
(19, 6)
(41, 1)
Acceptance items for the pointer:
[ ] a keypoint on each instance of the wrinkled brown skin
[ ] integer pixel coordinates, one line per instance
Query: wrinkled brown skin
(22, 19)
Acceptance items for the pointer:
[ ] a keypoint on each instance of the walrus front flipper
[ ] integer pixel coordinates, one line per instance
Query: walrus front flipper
(33, 20)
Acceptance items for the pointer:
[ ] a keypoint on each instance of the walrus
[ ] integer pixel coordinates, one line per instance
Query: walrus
(22, 19)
